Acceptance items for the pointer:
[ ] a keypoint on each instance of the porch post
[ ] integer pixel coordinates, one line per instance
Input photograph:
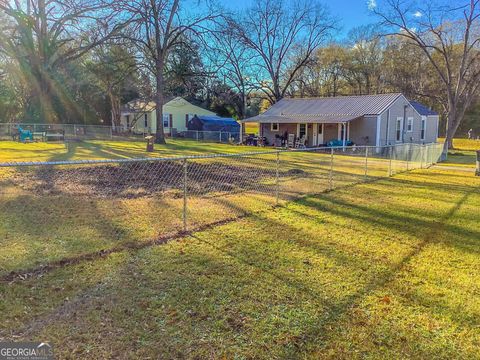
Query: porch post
(344, 135)
(378, 133)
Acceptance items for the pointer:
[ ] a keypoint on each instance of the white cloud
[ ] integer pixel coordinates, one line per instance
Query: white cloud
(372, 4)
(417, 14)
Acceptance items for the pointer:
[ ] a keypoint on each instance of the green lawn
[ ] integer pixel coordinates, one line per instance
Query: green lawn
(461, 158)
(100, 149)
(51, 214)
(385, 269)
(464, 153)
(466, 144)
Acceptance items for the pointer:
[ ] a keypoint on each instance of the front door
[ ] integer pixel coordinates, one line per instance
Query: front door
(320, 134)
(311, 135)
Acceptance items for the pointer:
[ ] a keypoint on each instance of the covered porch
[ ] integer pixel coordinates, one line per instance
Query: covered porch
(308, 133)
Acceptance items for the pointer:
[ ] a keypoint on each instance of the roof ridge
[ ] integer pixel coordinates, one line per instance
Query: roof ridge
(341, 96)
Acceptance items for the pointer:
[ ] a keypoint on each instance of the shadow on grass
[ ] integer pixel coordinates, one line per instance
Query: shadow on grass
(225, 286)
(336, 310)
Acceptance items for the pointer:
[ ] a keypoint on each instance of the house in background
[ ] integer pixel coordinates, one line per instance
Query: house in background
(140, 117)
(376, 120)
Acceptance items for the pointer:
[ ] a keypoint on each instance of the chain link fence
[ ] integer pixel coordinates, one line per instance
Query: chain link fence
(43, 132)
(208, 136)
(56, 132)
(58, 210)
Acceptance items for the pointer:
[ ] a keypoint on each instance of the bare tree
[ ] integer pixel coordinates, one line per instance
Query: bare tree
(234, 62)
(157, 26)
(114, 67)
(449, 36)
(324, 75)
(44, 35)
(283, 37)
(365, 58)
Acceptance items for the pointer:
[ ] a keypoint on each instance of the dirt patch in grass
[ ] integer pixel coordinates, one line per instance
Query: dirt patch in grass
(143, 179)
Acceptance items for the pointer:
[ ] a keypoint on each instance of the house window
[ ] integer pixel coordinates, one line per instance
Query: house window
(166, 118)
(410, 124)
(146, 120)
(302, 130)
(320, 129)
(275, 127)
(424, 128)
(128, 120)
(398, 129)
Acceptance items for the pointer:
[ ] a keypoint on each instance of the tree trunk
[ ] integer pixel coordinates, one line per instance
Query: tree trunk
(244, 105)
(115, 105)
(159, 102)
(453, 121)
(46, 109)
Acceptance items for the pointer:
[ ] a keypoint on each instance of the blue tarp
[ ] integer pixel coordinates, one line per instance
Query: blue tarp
(213, 123)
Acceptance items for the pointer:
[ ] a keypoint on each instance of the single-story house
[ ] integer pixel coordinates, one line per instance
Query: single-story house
(213, 123)
(376, 120)
(139, 116)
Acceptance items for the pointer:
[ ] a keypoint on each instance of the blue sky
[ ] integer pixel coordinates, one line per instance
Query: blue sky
(350, 13)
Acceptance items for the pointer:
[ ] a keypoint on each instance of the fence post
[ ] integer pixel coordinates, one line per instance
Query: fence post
(366, 163)
(197, 135)
(427, 152)
(408, 157)
(422, 155)
(277, 180)
(390, 170)
(185, 195)
(425, 156)
(330, 180)
(432, 154)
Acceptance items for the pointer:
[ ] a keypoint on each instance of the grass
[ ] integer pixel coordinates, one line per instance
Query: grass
(54, 214)
(464, 154)
(62, 213)
(466, 144)
(99, 149)
(252, 128)
(461, 158)
(386, 269)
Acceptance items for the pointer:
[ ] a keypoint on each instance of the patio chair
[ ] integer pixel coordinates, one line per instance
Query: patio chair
(291, 140)
(301, 143)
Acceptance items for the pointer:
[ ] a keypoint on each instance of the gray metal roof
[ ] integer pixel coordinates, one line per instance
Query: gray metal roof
(326, 119)
(332, 109)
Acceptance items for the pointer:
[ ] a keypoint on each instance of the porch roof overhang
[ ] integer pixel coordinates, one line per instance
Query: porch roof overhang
(302, 119)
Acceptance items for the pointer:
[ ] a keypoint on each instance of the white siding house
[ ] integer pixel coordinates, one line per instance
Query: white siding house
(140, 117)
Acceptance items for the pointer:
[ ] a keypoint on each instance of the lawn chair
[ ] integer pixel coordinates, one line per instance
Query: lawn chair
(301, 143)
(25, 134)
(291, 140)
